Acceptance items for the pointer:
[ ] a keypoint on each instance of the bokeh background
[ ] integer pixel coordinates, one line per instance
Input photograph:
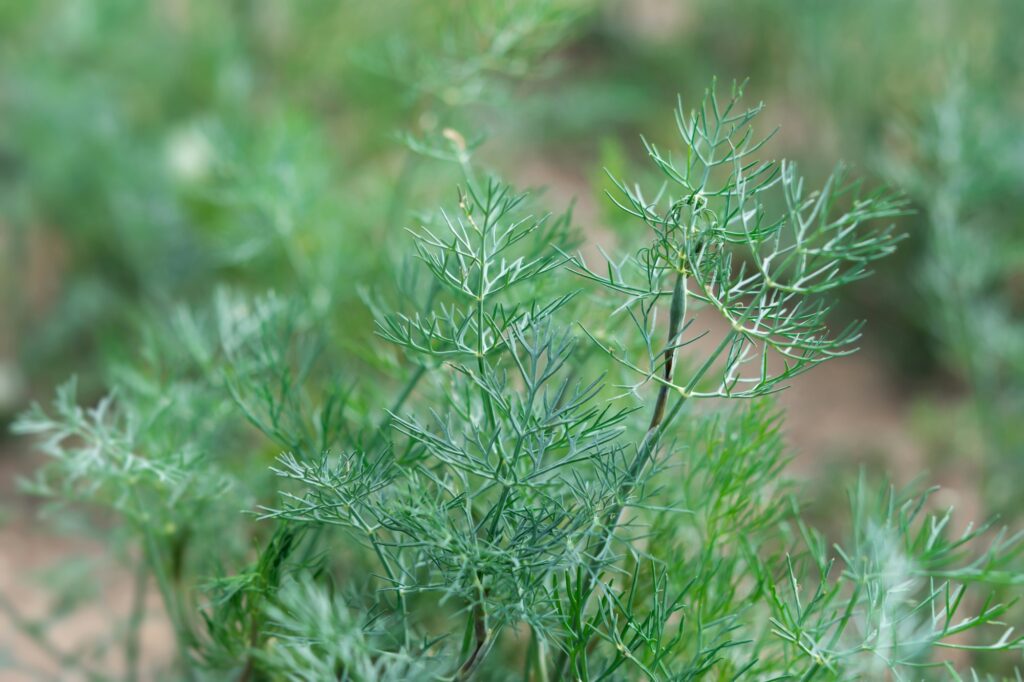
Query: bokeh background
(153, 150)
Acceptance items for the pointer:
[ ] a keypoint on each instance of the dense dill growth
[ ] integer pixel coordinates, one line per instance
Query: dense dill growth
(542, 469)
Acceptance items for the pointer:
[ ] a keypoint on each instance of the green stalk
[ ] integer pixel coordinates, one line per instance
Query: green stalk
(478, 615)
(660, 421)
(410, 386)
(131, 645)
(407, 390)
(506, 488)
(170, 594)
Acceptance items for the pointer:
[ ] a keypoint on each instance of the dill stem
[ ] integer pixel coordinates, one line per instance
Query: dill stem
(171, 594)
(478, 615)
(410, 385)
(400, 591)
(171, 599)
(482, 639)
(407, 390)
(138, 612)
(660, 420)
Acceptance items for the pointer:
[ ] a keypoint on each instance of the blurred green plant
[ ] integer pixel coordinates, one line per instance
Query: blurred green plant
(962, 165)
(151, 149)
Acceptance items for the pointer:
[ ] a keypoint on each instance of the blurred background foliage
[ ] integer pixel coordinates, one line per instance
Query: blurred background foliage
(151, 151)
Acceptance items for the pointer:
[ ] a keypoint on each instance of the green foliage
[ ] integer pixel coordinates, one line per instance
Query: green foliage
(536, 469)
(486, 449)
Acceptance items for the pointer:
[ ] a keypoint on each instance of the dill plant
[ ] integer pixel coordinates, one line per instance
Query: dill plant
(517, 479)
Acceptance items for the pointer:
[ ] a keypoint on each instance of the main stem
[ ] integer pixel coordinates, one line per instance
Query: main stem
(654, 429)
(478, 614)
(171, 592)
(138, 612)
(660, 420)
